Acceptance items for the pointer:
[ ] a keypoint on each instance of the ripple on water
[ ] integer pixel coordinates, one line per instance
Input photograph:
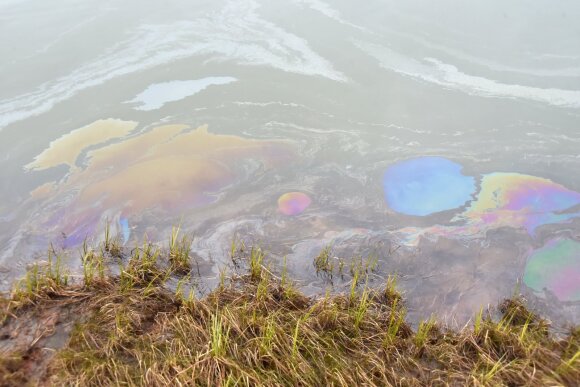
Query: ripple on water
(236, 32)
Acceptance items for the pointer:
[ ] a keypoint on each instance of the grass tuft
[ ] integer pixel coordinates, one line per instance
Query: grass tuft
(179, 252)
(256, 263)
(42, 280)
(323, 262)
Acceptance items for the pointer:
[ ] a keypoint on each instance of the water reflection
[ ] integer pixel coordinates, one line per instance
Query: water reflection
(158, 94)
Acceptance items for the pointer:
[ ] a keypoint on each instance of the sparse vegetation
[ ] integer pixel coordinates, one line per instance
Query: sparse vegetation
(179, 252)
(256, 263)
(112, 244)
(129, 328)
(323, 262)
(41, 279)
(327, 265)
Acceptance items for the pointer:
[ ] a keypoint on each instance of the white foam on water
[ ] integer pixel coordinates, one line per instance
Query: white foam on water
(234, 33)
(434, 71)
(328, 11)
(548, 71)
(158, 94)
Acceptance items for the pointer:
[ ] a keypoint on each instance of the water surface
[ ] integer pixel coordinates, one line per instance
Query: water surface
(442, 138)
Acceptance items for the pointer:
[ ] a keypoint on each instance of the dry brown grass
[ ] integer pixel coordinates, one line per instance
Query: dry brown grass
(130, 329)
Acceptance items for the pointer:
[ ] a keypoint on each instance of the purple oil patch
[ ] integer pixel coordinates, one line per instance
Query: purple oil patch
(521, 201)
(506, 200)
(293, 203)
(77, 232)
(556, 268)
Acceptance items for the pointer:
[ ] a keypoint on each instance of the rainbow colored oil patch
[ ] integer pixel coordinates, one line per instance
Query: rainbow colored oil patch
(555, 267)
(426, 185)
(293, 203)
(506, 200)
(66, 149)
(169, 169)
(521, 201)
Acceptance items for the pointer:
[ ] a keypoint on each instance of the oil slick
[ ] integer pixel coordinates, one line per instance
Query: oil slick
(169, 169)
(66, 149)
(293, 203)
(555, 267)
(505, 200)
(520, 201)
(426, 185)
(125, 229)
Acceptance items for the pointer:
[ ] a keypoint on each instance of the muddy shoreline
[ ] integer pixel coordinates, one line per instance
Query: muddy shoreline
(256, 328)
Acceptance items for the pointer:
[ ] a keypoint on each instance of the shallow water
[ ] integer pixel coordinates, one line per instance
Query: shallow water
(443, 139)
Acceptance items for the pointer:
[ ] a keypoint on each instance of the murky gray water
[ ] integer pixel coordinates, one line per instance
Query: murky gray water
(443, 138)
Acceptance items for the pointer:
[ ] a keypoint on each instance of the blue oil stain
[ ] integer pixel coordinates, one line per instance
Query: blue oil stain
(125, 230)
(426, 185)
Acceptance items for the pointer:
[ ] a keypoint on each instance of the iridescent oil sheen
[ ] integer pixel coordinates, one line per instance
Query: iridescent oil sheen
(426, 185)
(555, 267)
(521, 201)
(169, 168)
(506, 200)
(293, 203)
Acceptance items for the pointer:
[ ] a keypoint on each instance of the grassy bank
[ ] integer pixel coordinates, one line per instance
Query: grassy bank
(129, 328)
